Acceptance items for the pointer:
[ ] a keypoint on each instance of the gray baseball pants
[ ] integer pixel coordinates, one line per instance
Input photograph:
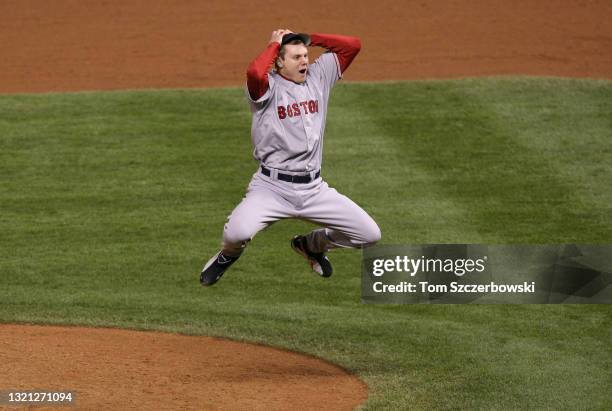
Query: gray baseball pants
(268, 200)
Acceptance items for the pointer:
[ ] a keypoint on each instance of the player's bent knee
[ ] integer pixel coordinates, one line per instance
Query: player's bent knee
(371, 235)
(237, 235)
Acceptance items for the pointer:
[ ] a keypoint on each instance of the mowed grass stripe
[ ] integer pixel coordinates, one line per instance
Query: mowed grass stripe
(485, 153)
(112, 202)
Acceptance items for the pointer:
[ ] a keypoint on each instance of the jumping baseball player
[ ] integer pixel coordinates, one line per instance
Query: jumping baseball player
(289, 108)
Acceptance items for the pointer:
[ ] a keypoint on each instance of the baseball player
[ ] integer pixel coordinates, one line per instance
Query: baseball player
(289, 108)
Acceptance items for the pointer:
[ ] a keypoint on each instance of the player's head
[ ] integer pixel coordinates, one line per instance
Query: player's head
(292, 61)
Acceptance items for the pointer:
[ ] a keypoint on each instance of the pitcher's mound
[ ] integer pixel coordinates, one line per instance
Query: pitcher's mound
(119, 369)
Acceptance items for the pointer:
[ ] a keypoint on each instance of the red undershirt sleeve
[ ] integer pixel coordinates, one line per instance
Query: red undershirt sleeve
(345, 47)
(257, 73)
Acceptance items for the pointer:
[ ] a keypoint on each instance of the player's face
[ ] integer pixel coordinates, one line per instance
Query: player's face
(295, 63)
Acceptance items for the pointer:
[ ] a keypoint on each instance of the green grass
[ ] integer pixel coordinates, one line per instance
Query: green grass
(110, 203)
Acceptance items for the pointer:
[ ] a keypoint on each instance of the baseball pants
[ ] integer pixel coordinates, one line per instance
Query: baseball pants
(268, 200)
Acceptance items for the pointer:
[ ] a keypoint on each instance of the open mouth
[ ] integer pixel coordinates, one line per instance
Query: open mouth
(303, 71)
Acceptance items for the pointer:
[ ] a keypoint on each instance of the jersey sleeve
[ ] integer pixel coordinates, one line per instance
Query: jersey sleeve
(346, 48)
(326, 69)
(258, 83)
(262, 101)
(341, 50)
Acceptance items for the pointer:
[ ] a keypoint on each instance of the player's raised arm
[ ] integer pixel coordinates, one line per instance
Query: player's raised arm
(345, 47)
(257, 72)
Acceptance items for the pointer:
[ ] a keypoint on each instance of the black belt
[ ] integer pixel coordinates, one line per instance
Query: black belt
(303, 179)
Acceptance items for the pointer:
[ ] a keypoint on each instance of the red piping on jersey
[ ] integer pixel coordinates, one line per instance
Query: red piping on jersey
(345, 47)
(288, 79)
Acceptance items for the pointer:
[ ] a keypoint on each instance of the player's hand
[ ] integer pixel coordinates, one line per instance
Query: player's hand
(277, 35)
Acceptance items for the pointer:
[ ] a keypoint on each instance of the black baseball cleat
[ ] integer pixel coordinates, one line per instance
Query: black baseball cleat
(215, 267)
(319, 262)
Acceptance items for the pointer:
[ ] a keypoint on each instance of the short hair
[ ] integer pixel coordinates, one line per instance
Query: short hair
(281, 52)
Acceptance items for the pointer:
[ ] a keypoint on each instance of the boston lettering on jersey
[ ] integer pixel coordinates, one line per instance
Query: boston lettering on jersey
(297, 109)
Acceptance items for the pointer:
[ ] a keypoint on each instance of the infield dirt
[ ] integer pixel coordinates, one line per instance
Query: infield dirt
(121, 369)
(67, 45)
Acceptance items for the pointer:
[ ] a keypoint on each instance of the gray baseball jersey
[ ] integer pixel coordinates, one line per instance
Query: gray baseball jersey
(289, 119)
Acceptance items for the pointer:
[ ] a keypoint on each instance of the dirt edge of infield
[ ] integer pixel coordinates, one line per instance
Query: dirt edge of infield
(114, 368)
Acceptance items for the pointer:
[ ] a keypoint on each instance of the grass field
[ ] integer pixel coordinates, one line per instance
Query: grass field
(111, 202)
